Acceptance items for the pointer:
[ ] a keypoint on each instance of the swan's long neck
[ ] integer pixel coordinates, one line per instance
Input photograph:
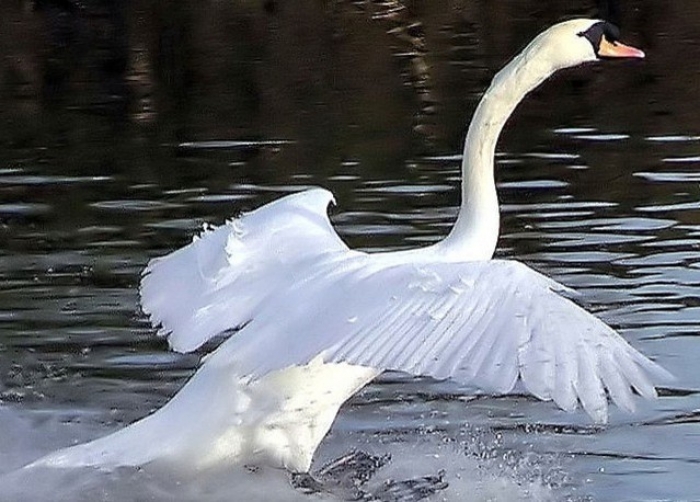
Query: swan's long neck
(475, 233)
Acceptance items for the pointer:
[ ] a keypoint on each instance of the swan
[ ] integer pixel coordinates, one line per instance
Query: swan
(314, 321)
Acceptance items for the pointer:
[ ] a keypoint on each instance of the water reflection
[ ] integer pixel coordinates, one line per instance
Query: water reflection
(184, 115)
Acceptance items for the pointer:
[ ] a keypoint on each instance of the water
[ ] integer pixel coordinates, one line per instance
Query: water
(229, 107)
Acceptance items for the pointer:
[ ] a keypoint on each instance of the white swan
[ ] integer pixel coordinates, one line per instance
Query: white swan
(317, 321)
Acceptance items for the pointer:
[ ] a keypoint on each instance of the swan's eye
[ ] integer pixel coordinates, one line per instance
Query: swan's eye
(611, 32)
(596, 33)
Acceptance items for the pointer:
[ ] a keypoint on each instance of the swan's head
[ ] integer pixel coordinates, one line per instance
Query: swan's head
(579, 41)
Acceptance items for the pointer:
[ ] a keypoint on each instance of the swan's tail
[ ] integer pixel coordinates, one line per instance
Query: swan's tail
(218, 419)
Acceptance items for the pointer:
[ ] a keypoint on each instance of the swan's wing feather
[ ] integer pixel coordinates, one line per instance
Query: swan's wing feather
(484, 324)
(217, 282)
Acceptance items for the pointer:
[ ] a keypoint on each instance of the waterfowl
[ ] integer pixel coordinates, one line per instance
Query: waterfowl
(313, 321)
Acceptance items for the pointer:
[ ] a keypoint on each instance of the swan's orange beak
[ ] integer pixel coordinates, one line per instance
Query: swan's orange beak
(609, 49)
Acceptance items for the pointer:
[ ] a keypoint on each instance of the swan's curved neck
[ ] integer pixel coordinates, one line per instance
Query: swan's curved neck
(475, 233)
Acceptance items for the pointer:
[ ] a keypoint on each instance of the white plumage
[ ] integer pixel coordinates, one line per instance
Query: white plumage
(316, 321)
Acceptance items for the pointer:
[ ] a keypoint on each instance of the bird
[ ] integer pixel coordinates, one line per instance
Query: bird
(309, 321)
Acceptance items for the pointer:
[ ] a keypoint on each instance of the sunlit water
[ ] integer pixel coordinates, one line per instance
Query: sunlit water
(604, 200)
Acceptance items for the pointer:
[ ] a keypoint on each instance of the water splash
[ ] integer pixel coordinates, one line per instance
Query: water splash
(479, 467)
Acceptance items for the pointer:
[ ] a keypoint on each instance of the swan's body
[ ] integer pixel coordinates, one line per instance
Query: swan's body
(318, 320)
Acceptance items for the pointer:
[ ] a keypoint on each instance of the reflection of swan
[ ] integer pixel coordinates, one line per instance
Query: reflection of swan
(318, 321)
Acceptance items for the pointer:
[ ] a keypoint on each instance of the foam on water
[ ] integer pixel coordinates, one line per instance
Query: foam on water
(475, 465)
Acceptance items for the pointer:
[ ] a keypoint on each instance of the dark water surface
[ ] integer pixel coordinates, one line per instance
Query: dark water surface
(123, 128)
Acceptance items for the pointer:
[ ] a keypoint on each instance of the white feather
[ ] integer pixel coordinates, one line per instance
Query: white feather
(218, 281)
(509, 324)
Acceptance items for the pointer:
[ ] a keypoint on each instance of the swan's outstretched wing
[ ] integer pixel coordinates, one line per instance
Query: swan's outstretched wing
(485, 324)
(217, 282)
(284, 273)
